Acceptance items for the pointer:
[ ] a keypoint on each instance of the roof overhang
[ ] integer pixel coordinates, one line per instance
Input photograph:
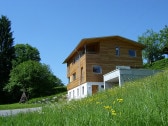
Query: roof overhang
(86, 41)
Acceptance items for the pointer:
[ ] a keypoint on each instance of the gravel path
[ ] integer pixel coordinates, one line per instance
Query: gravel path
(16, 111)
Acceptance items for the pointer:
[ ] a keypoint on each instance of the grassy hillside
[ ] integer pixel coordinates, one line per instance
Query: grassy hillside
(37, 102)
(158, 65)
(139, 103)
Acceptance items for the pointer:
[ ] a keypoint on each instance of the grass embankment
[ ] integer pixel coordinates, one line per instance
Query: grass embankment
(139, 103)
(18, 106)
(158, 65)
(36, 102)
(57, 98)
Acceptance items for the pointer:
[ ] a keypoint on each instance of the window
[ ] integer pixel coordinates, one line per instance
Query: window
(97, 69)
(82, 75)
(75, 59)
(132, 53)
(92, 48)
(117, 51)
(73, 94)
(83, 90)
(78, 92)
(78, 56)
(69, 94)
(74, 76)
(68, 79)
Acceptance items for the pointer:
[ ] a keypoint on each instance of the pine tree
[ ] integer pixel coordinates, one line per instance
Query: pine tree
(6, 53)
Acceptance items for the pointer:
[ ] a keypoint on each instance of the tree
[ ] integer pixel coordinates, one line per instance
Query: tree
(153, 51)
(33, 77)
(6, 53)
(25, 52)
(163, 37)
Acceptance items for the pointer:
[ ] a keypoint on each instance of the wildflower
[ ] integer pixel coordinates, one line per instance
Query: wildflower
(113, 112)
(107, 107)
(120, 100)
(98, 103)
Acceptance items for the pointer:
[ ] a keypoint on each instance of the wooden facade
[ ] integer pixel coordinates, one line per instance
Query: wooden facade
(94, 57)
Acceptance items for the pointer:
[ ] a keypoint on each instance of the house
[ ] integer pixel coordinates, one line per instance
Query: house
(94, 57)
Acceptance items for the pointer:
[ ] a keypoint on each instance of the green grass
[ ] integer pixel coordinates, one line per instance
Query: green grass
(158, 65)
(18, 106)
(36, 102)
(139, 103)
(61, 97)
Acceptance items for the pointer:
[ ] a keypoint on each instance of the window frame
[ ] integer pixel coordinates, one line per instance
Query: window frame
(99, 69)
(83, 90)
(74, 76)
(82, 74)
(70, 94)
(73, 93)
(132, 53)
(117, 51)
(77, 91)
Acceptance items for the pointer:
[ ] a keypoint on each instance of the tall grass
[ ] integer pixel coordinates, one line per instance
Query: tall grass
(139, 103)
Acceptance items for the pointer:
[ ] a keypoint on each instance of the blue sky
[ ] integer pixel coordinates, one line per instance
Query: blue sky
(55, 27)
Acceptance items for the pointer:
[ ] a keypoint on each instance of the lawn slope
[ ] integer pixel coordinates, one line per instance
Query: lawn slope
(141, 102)
(158, 65)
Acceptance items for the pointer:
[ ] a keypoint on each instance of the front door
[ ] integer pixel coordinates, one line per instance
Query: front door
(94, 89)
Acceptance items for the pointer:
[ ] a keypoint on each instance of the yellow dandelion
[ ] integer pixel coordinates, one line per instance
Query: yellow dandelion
(107, 107)
(120, 100)
(113, 111)
(114, 114)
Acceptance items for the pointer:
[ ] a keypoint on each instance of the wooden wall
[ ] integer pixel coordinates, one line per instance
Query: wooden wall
(107, 59)
(76, 68)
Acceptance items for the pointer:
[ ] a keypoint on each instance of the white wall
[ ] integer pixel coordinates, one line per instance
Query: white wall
(78, 92)
(84, 90)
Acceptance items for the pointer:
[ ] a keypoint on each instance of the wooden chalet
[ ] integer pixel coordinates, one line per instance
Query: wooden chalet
(94, 57)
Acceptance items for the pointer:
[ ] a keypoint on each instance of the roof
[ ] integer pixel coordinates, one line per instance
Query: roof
(96, 39)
